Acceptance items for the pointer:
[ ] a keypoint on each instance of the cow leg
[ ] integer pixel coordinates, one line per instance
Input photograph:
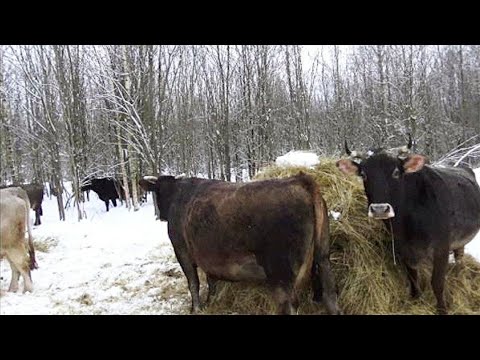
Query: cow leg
(18, 260)
(458, 254)
(324, 285)
(114, 201)
(285, 299)
(37, 217)
(106, 204)
(412, 274)
(281, 278)
(15, 277)
(190, 271)
(440, 264)
(212, 287)
(194, 286)
(316, 283)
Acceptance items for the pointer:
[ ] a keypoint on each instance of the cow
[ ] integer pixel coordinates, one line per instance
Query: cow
(106, 189)
(430, 210)
(35, 196)
(274, 232)
(14, 218)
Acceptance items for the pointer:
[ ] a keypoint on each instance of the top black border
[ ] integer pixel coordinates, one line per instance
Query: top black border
(240, 23)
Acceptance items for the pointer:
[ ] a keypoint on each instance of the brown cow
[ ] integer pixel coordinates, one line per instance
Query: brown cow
(14, 217)
(273, 231)
(35, 196)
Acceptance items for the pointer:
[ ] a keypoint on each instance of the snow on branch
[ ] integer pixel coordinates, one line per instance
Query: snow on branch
(461, 154)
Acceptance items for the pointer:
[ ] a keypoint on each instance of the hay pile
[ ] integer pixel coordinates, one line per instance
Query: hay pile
(362, 261)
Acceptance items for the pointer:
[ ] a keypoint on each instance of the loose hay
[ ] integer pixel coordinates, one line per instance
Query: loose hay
(45, 244)
(361, 254)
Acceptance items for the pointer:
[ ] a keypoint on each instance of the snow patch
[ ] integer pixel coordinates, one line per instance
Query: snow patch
(298, 158)
(335, 215)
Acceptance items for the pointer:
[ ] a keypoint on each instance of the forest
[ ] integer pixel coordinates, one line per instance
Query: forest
(68, 112)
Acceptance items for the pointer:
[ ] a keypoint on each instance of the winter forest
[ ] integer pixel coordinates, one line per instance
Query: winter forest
(70, 111)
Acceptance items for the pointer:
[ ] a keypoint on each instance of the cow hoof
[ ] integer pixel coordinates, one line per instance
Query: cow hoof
(442, 311)
(195, 310)
(414, 295)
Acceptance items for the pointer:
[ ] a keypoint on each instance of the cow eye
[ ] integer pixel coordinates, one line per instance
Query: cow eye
(363, 174)
(396, 173)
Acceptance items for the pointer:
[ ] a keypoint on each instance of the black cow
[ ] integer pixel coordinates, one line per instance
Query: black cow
(35, 196)
(273, 231)
(432, 210)
(106, 189)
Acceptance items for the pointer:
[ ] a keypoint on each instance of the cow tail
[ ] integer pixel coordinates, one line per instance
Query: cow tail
(321, 234)
(31, 249)
(321, 237)
(323, 282)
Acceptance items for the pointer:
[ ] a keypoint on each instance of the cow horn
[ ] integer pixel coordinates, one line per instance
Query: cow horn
(347, 150)
(150, 179)
(410, 142)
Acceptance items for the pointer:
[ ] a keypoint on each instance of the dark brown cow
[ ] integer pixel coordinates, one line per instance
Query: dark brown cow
(273, 231)
(35, 196)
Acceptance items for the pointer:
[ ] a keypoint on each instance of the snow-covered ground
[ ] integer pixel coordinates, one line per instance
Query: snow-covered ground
(120, 262)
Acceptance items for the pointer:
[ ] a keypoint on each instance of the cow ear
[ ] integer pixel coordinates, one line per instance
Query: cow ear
(347, 167)
(414, 163)
(148, 183)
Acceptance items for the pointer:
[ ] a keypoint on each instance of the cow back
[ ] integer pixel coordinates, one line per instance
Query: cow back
(13, 209)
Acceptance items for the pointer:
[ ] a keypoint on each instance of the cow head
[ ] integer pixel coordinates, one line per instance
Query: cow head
(164, 188)
(86, 185)
(384, 173)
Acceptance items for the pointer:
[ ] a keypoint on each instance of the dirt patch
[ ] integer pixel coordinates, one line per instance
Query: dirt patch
(85, 299)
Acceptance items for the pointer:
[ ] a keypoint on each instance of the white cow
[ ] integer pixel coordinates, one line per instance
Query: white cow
(14, 218)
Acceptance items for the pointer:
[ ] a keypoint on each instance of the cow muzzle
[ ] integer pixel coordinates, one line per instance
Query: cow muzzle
(381, 211)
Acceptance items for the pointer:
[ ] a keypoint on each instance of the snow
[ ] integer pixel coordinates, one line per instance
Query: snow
(335, 215)
(120, 262)
(298, 158)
